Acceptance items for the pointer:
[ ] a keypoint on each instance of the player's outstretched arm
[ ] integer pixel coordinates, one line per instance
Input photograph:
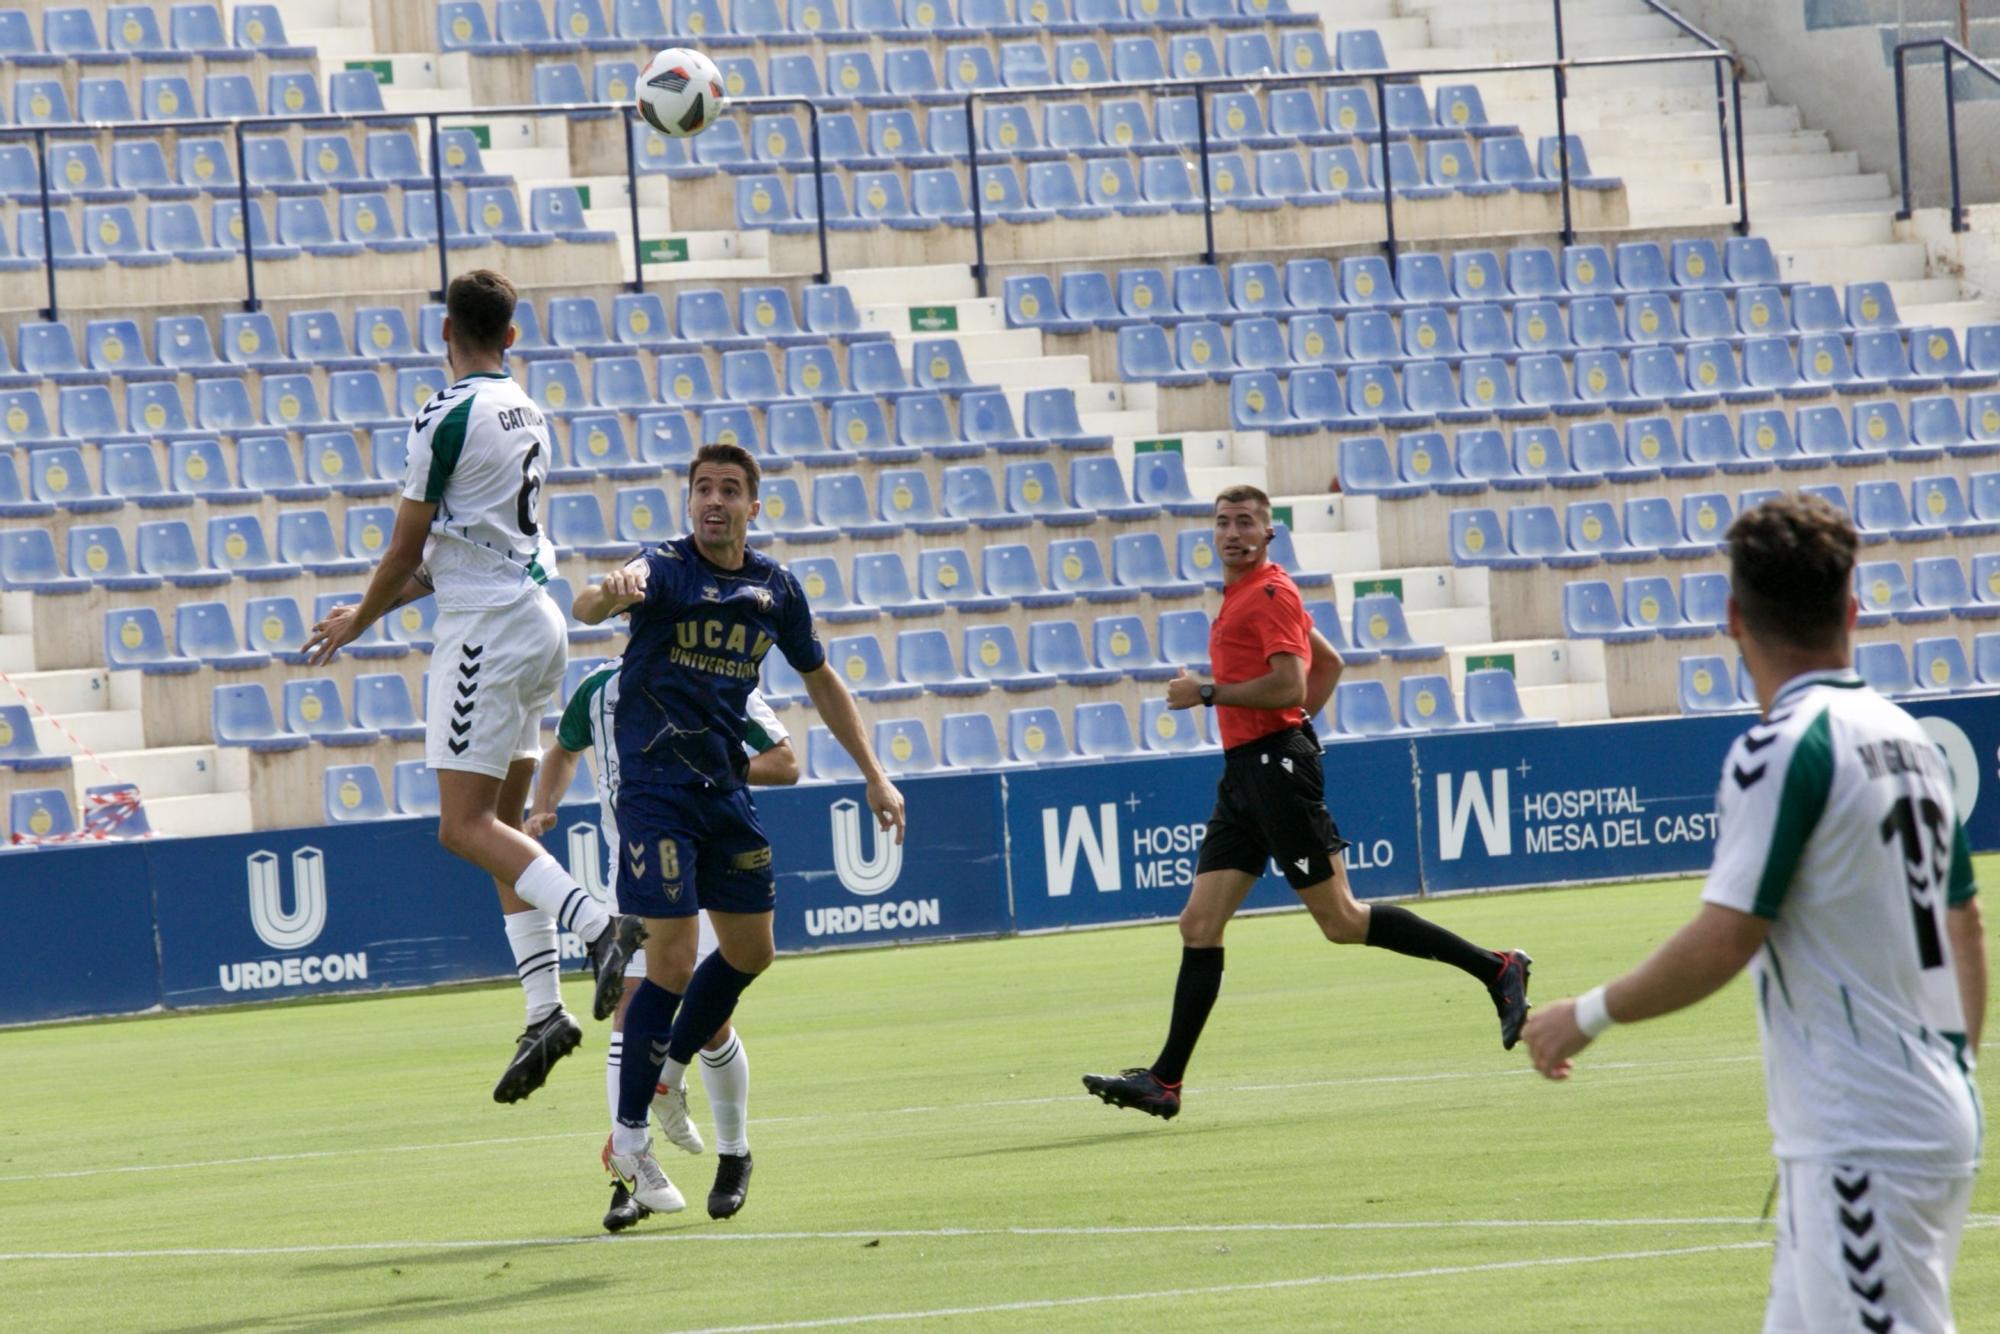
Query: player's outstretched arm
(623, 588)
(552, 779)
(1692, 966)
(1968, 954)
(400, 562)
(837, 710)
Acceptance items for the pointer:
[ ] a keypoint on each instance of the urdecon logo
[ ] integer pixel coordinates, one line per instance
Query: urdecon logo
(867, 874)
(290, 929)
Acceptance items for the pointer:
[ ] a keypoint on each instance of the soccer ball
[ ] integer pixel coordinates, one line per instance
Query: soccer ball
(680, 92)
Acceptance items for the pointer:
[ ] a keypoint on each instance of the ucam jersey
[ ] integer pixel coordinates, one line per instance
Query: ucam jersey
(587, 725)
(697, 641)
(480, 452)
(1838, 827)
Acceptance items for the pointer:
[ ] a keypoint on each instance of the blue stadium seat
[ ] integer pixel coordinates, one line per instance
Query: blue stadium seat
(1940, 664)
(1427, 704)
(1706, 685)
(1055, 648)
(207, 631)
(1183, 639)
(133, 638)
(35, 814)
(1380, 626)
(1363, 708)
(352, 793)
(1885, 668)
(1103, 731)
(970, 742)
(1491, 699)
(1035, 736)
(19, 750)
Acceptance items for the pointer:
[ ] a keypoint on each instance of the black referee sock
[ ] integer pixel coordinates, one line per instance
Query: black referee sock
(1399, 929)
(1194, 996)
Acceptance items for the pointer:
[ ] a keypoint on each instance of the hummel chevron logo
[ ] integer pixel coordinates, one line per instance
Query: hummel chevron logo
(473, 651)
(1747, 777)
(1851, 1191)
(462, 708)
(1857, 1225)
(1863, 1262)
(458, 747)
(461, 725)
(468, 689)
(1872, 1293)
(469, 670)
(430, 412)
(1754, 743)
(1880, 1324)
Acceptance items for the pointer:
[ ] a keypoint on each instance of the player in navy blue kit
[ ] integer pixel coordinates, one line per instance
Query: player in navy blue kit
(705, 610)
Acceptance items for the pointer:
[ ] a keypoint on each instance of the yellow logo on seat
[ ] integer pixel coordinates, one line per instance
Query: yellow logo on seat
(1426, 704)
(1166, 725)
(1420, 463)
(58, 478)
(947, 576)
(330, 463)
(855, 668)
(1121, 643)
(1034, 738)
(815, 585)
(1704, 681)
(1475, 540)
(156, 416)
(900, 747)
(97, 558)
(311, 709)
(857, 430)
(989, 652)
(130, 635)
(1649, 609)
(1254, 399)
(1649, 445)
(683, 386)
(902, 498)
(1378, 626)
(1072, 567)
(1593, 528)
(350, 791)
(1031, 305)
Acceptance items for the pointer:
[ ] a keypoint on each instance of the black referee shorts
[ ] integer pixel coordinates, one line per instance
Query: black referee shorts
(1271, 804)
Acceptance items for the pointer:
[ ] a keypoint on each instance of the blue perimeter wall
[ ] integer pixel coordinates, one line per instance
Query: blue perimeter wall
(120, 928)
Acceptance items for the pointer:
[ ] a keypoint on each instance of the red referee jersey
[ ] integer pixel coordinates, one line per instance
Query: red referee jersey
(1261, 615)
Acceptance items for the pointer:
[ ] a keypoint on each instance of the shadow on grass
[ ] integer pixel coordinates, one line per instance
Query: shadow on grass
(1126, 1135)
(459, 1312)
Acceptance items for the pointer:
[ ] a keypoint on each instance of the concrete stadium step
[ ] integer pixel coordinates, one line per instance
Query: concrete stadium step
(193, 816)
(17, 653)
(1336, 14)
(1916, 292)
(908, 319)
(79, 690)
(1894, 262)
(1820, 231)
(1959, 315)
(1422, 589)
(909, 284)
(1204, 482)
(161, 772)
(1333, 533)
(413, 82)
(99, 730)
(1448, 625)
(546, 165)
(336, 46)
(1030, 373)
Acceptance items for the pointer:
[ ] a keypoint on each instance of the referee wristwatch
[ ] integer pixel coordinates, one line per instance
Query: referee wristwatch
(1207, 693)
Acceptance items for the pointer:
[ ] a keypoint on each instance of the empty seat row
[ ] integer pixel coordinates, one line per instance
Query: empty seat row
(171, 97)
(201, 164)
(1111, 127)
(45, 815)
(383, 334)
(1932, 666)
(1589, 531)
(1091, 297)
(1210, 336)
(304, 225)
(134, 30)
(1886, 591)
(1417, 393)
(517, 25)
(1646, 447)
(273, 629)
(935, 196)
(354, 792)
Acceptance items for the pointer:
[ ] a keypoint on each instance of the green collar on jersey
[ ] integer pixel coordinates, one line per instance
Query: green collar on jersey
(1840, 678)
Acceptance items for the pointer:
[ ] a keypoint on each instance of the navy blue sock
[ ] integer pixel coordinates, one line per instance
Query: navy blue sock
(648, 1020)
(711, 999)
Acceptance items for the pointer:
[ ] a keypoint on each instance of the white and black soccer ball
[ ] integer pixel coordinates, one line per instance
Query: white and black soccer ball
(680, 92)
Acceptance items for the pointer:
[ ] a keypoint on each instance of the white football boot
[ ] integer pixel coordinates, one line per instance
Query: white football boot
(642, 1176)
(671, 1107)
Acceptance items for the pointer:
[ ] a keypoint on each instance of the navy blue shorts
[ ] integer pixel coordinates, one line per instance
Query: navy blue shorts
(697, 848)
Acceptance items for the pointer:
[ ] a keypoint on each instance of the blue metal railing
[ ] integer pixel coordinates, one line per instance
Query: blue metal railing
(1952, 51)
(1379, 81)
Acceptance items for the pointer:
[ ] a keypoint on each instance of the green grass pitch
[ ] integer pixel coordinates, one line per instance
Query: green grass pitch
(1355, 1153)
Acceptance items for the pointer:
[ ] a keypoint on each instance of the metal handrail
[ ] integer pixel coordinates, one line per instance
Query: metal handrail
(1952, 51)
(1721, 111)
(240, 126)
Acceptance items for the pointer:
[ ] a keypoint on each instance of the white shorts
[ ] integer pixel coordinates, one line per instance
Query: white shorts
(704, 945)
(493, 673)
(1861, 1249)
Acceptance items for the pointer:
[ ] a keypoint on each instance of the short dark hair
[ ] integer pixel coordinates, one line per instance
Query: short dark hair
(732, 455)
(1791, 570)
(1243, 494)
(481, 306)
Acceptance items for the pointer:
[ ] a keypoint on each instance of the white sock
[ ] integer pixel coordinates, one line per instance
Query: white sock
(550, 888)
(613, 1058)
(630, 1139)
(673, 1075)
(532, 935)
(726, 1076)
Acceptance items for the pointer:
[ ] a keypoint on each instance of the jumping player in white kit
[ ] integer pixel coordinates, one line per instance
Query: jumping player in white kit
(1843, 878)
(468, 529)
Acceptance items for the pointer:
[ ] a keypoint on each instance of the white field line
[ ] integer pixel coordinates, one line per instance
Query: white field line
(1222, 1289)
(447, 1146)
(686, 1235)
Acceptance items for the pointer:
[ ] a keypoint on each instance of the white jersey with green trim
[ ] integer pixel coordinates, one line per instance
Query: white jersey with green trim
(587, 725)
(480, 452)
(1837, 825)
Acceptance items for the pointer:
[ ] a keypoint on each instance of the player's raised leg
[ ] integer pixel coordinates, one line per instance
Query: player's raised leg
(1156, 1089)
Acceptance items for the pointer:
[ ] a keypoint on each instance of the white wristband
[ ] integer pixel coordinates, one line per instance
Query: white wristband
(1593, 1016)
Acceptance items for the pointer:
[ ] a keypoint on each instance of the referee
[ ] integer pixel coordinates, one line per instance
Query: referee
(1273, 672)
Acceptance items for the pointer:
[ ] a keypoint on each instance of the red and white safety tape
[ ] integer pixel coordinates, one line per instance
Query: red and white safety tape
(105, 813)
